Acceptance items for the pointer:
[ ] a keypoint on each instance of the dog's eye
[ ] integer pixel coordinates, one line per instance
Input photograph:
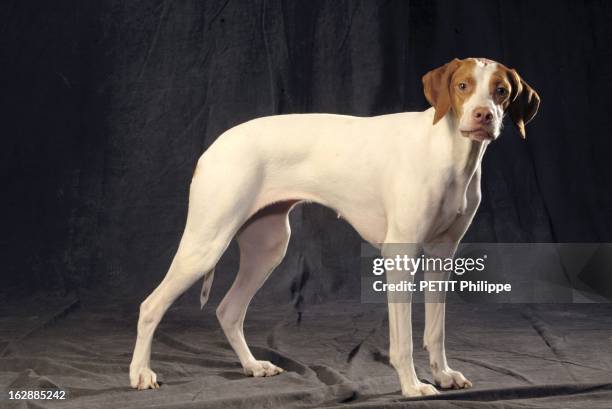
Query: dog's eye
(501, 91)
(462, 86)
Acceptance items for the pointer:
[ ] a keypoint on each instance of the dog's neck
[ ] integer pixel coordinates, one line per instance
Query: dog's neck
(470, 154)
(466, 153)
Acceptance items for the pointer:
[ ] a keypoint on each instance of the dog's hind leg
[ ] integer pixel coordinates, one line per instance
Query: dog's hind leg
(210, 227)
(263, 243)
(191, 262)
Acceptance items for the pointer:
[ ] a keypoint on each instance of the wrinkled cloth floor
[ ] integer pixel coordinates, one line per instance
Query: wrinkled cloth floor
(335, 355)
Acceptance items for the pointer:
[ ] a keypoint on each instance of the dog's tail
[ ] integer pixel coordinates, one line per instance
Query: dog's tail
(208, 279)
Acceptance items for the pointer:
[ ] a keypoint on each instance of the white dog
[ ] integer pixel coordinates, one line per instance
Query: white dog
(402, 178)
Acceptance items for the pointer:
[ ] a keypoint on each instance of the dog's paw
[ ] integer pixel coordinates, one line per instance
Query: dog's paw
(144, 378)
(419, 389)
(450, 379)
(261, 368)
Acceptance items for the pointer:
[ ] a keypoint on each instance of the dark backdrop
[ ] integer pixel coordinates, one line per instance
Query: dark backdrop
(106, 106)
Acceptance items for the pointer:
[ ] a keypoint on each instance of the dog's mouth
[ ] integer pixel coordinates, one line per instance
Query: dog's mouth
(477, 134)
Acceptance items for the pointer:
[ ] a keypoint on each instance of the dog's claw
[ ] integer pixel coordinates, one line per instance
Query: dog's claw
(145, 378)
(451, 379)
(420, 389)
(261, 369)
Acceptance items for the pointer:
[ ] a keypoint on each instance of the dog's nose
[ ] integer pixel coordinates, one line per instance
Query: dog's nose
(482, 115)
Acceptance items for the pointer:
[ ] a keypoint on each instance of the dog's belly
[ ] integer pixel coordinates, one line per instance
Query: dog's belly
(371, 226)
(369, 221)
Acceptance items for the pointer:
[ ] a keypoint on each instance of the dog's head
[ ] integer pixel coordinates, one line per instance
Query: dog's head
(478, 92)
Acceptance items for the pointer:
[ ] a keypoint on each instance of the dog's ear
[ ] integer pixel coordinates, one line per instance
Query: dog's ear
(524, 102)
(436, 86)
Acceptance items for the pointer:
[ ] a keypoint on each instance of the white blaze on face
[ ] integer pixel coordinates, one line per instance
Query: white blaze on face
(482, 97)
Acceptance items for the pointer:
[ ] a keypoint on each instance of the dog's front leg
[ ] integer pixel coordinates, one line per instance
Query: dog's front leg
(444, 246)
(435, 309)
(400, 325)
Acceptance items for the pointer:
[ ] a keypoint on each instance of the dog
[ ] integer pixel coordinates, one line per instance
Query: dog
(410, 177)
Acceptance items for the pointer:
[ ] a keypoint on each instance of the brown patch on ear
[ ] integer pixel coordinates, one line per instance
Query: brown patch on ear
(436, 86)
(524, 102)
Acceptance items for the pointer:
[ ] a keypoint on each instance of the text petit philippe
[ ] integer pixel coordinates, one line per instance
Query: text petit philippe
(411, 265)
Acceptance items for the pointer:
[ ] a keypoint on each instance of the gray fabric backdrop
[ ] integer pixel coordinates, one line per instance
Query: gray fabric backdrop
(107, 106)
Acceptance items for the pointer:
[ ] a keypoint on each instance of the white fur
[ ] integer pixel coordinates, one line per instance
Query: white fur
(395, 178)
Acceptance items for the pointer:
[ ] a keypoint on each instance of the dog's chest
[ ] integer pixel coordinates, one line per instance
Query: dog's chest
(453, 203)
